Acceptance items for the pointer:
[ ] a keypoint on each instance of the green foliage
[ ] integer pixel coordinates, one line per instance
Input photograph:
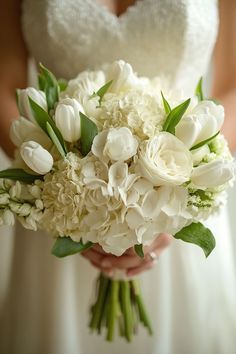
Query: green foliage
(88, 132)
(55, 140)
(165, 104)
(175, 116)
(204, 142)
(198, 90)
(139, 250)
(17, 174)
(198, 234)
(43, 119)
(48, 83)
(65, 246)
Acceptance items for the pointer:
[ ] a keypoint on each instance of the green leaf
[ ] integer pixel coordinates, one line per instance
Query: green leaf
(65, 246)
(88, 132)
(204, 142)
(198, 234)
(41, 82)
(175, 116)
(198, 90)
(62, 84)
(42, 118)
(139, 250)
(40, 115)
(50, 86)
(101, 92)
(17, 174)
(165, 104)
(55, 140)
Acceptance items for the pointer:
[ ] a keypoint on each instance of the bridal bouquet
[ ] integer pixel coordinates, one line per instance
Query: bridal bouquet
(113, 159)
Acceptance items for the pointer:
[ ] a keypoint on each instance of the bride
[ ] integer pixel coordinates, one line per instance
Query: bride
(44, 301)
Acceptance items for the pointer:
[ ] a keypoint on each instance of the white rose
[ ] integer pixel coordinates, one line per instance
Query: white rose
(165, 160)
(213, 174)
(36, 157)
(117, 144)
(67, 118)
(122, 76)
(24, 130)
(204, 121)
(23, 101)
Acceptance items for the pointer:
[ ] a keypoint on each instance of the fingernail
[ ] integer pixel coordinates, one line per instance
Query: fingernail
(106, 264)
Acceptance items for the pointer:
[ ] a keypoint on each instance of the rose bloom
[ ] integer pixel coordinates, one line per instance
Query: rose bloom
(165, 160)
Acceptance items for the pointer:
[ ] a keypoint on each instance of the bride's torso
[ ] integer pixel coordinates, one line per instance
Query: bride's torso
(158, 37)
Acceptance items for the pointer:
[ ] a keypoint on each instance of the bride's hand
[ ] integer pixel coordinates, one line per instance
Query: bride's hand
(129, 261)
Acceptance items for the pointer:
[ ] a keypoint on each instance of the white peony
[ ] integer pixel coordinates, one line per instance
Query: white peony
(204, 121)
(165, 160)
(116, 144)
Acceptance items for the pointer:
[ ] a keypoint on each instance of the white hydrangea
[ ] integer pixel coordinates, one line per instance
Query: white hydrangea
(62, 196)
(138, 180)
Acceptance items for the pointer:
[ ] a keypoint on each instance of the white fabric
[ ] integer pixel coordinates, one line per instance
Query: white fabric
(44, 308)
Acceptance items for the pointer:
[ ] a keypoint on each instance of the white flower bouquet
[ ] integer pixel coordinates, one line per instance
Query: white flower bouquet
(113, 159)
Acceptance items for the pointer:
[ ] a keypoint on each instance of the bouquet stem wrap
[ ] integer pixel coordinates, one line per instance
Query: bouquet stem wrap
(119, 305)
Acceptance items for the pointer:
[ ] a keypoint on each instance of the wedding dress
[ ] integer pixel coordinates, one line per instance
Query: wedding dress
(192, 300)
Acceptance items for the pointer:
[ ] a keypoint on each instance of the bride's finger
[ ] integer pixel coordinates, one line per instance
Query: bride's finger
(122, 262)
(92, 255)
(160, 243)
(143, 267)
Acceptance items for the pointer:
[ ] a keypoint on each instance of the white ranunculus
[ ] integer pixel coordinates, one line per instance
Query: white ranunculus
(23, 101)
(67, 118)
(23, 130)
(204, 121)
(122, 76)
(213, 174)
(165, 160)
(36, 157)
(117, 144)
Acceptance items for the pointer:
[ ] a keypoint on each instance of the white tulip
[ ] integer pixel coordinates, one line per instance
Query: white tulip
(122, 76)
(23, 101)
(36, 157)
(213, 174)
(67, 118)
(165, 160)
(117, 144)
(199, 154)
(24, 130)
(203, 122)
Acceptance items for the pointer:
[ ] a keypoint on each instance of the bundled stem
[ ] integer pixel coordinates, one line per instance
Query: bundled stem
(120, 306)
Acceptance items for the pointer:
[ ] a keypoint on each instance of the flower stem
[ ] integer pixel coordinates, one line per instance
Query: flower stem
(141, 307)
(127, 309)
(98, 307)
(112, 309)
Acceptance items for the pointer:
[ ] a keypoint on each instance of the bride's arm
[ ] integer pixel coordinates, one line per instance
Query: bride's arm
(13, 67)
(224, 85)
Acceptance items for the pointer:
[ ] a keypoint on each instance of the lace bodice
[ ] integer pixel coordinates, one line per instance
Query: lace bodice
(158, 37)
